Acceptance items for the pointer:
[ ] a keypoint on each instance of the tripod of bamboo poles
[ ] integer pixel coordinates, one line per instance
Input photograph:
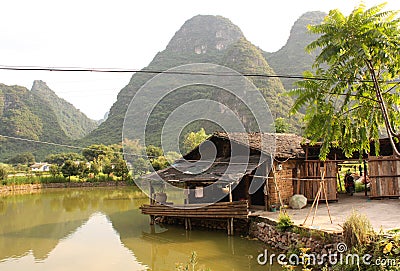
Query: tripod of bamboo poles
(321, 189)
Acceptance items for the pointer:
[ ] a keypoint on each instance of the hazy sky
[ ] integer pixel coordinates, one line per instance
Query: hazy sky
(126, 34)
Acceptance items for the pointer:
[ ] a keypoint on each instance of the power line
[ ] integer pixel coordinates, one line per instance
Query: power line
(118, 70)
(68, 146)
(114, 152)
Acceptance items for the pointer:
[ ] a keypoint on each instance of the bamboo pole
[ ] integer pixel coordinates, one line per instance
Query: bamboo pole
(317, 198)
(326, 201)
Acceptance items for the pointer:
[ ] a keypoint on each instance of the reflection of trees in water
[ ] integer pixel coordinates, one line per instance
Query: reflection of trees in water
(3, 206)
(101, 199)
(38, 222)
(75, 202)
(55, 204)
(29, 224)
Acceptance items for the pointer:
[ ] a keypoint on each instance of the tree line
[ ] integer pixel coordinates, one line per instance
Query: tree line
(106, 161)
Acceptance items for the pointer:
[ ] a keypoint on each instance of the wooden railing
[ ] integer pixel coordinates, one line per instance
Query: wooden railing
(236, 209)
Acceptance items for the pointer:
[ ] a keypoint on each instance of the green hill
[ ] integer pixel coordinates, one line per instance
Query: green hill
(292, 59)
(246, 58)
(202, 39)
(37, 114)
(73, 122)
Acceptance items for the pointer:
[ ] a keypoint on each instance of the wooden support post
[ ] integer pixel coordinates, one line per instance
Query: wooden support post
(298, 181)
(186, 223)
(151, 194)
(230, 192)
(365, 178)
(152, 220)
(266, 196)
(230, 226)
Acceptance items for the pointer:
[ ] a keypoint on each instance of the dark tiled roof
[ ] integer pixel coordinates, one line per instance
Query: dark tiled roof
(282, 145)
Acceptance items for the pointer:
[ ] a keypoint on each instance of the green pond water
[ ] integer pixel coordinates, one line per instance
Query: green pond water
(103, 229)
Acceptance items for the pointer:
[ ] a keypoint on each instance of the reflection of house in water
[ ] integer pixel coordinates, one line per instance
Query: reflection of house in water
(48, 228)
(238, 178)
(162, 248)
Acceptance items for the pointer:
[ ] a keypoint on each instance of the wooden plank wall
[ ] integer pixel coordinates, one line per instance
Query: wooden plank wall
(310, 177)
(384, 174)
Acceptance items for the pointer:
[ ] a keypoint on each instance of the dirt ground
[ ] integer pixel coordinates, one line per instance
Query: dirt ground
(384, 213)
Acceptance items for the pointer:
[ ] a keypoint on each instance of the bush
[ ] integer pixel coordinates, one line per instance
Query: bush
(3, 172)
(284, 222)
(357, 230)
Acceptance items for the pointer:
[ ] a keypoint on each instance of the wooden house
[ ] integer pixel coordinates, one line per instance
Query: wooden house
(40, 167)
(383, 170)
(265, 179)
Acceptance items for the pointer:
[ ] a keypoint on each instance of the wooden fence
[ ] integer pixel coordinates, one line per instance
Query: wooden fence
(384, 174)
(310, 176)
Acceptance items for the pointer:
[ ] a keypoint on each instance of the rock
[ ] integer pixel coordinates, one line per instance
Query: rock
(297, 201)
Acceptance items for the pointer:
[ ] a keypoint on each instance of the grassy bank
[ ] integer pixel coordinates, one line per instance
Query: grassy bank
(45, 179)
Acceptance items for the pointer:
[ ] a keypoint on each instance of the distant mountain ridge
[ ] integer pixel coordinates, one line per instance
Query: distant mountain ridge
(73, 122)
(292, 59)
(40, 115)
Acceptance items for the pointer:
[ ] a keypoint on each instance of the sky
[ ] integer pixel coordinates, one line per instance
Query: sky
(126, 34)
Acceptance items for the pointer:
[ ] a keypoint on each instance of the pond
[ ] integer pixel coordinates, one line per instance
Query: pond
(103, 229)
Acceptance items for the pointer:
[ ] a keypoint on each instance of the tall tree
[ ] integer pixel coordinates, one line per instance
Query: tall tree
(193, 139)
(121, 169)
(61, 158)
(26, 158)
(353, 95)
(70, 168)
(4, 170)
(94, 151)
(281, 125)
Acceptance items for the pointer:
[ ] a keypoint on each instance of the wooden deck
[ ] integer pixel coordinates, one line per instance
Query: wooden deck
(236, 209)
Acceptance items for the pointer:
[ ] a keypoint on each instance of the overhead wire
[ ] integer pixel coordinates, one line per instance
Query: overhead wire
(114, 152)
(119, 70)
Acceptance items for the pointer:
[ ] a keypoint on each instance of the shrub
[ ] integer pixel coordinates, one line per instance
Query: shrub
(357, 230)
(3, 172)
(284, 222)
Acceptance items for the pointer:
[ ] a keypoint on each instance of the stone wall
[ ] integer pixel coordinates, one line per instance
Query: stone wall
(318, 241)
